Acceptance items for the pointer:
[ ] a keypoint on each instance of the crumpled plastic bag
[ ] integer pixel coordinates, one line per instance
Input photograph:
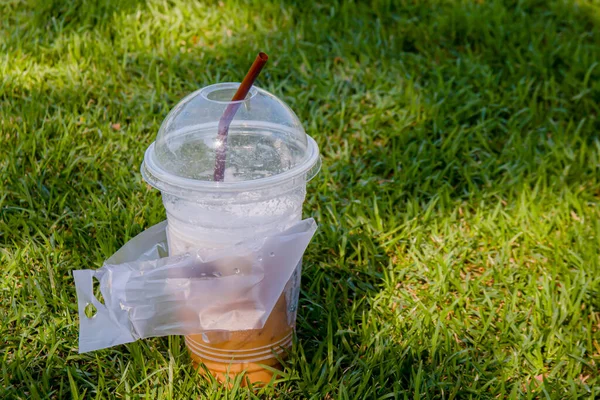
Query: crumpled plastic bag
(147, 293)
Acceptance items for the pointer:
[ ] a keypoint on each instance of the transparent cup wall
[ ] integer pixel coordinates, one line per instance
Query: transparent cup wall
(195, 224)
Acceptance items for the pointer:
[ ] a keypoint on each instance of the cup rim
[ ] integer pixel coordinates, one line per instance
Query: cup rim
(164, 181)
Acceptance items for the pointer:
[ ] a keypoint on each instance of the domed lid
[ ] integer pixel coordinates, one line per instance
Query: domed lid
(265, 146)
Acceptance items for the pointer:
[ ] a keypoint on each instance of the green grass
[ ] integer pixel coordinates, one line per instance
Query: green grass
(458, 254)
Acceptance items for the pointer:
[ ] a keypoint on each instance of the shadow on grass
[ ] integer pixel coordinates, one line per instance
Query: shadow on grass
(73, 16)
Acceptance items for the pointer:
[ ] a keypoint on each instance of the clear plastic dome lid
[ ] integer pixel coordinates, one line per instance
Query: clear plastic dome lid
(266, 143)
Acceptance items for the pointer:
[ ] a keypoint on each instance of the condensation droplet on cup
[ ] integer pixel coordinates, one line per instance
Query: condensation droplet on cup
(259, 259)
(237, 271)
(217, 274)
(272, 254)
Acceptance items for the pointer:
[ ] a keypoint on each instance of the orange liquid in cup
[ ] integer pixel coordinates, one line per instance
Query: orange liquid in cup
(245, 351)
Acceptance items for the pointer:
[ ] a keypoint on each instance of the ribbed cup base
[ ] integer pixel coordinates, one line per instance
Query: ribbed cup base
(228, 354)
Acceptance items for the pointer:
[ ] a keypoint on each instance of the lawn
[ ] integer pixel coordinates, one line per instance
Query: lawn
(458, 253)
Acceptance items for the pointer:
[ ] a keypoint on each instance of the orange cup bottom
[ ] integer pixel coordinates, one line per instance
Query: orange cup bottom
(226, 355)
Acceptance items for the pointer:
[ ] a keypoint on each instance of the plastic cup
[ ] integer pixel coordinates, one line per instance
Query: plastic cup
(269, 161)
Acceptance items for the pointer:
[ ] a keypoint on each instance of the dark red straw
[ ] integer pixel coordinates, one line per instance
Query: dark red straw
(229, 113)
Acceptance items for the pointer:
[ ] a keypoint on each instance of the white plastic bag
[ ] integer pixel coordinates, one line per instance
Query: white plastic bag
(145, 295)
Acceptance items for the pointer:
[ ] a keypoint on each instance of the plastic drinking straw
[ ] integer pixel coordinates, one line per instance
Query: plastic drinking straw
(229, 113)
